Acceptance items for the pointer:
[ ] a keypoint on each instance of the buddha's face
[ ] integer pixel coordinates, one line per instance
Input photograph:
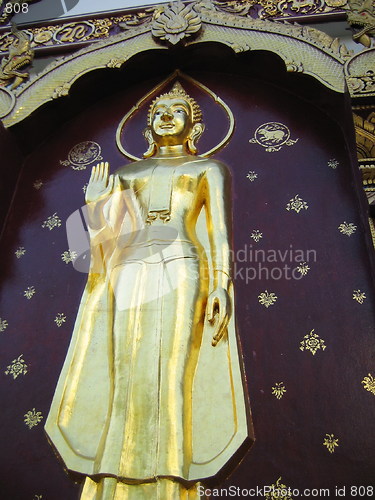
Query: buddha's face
(171, 121)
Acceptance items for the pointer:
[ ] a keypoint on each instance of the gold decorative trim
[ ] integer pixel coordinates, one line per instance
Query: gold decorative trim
(365, 135)
(359, 77)
(372, 228)
(302, 48)
(368, 175)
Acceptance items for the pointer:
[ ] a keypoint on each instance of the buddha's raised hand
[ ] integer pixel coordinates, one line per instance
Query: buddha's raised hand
(100, 184)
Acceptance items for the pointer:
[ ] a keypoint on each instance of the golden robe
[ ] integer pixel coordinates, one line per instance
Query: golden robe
(143, 393)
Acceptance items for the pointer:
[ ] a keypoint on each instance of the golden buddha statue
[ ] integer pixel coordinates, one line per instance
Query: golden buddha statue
(150, 401)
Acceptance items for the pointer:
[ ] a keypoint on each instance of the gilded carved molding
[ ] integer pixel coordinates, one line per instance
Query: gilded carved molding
(64, 34)
(365, 136)
(302, 48)
(360, 78)
(280, 9)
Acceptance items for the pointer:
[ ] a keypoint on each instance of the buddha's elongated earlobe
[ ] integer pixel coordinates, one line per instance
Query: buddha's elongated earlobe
(152, 147)
(193, 138)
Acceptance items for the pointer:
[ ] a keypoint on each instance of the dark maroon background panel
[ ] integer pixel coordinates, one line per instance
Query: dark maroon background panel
(324, 393)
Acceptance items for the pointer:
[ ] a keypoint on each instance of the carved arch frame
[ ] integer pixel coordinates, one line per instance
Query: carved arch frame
(302, 49)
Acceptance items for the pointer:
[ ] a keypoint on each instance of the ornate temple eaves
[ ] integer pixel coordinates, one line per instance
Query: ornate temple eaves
(302, 48)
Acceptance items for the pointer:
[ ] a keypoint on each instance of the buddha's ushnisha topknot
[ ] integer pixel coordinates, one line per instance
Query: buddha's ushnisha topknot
(178, 91)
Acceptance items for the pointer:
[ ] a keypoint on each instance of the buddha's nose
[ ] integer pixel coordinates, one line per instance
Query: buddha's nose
(166, 116)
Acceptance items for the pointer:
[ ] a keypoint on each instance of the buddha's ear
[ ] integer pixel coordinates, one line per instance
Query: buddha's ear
(152, 147)
(194, 136)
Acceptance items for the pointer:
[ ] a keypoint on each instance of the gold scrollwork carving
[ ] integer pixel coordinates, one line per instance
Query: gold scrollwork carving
(74, 32)
(279, 8)
(365, 135)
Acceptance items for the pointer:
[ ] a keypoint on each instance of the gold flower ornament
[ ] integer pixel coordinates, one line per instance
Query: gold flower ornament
(176, 22)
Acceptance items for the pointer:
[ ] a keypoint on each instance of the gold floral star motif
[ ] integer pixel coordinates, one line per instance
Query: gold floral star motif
(369, 383)
(330, 442)
(303, 268)
(278, 491)
(32, 418)
(60, 319)
(256, 235)
(29, 292)
(297, 204)
(20, 252)
(3, 324)
(17, 367)
(84, 188)
(267, 299)
(359, 296)
(68, 256)
(312, 342)
(347, 228)
(333, 163)
(38, 497)
(252, 176)
(38, 184)
(52, 221)
(279, 390)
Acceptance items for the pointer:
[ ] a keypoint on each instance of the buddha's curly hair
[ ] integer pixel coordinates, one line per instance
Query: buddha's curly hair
(178, 91)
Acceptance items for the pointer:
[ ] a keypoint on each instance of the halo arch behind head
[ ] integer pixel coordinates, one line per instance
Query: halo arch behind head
(198, 114)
